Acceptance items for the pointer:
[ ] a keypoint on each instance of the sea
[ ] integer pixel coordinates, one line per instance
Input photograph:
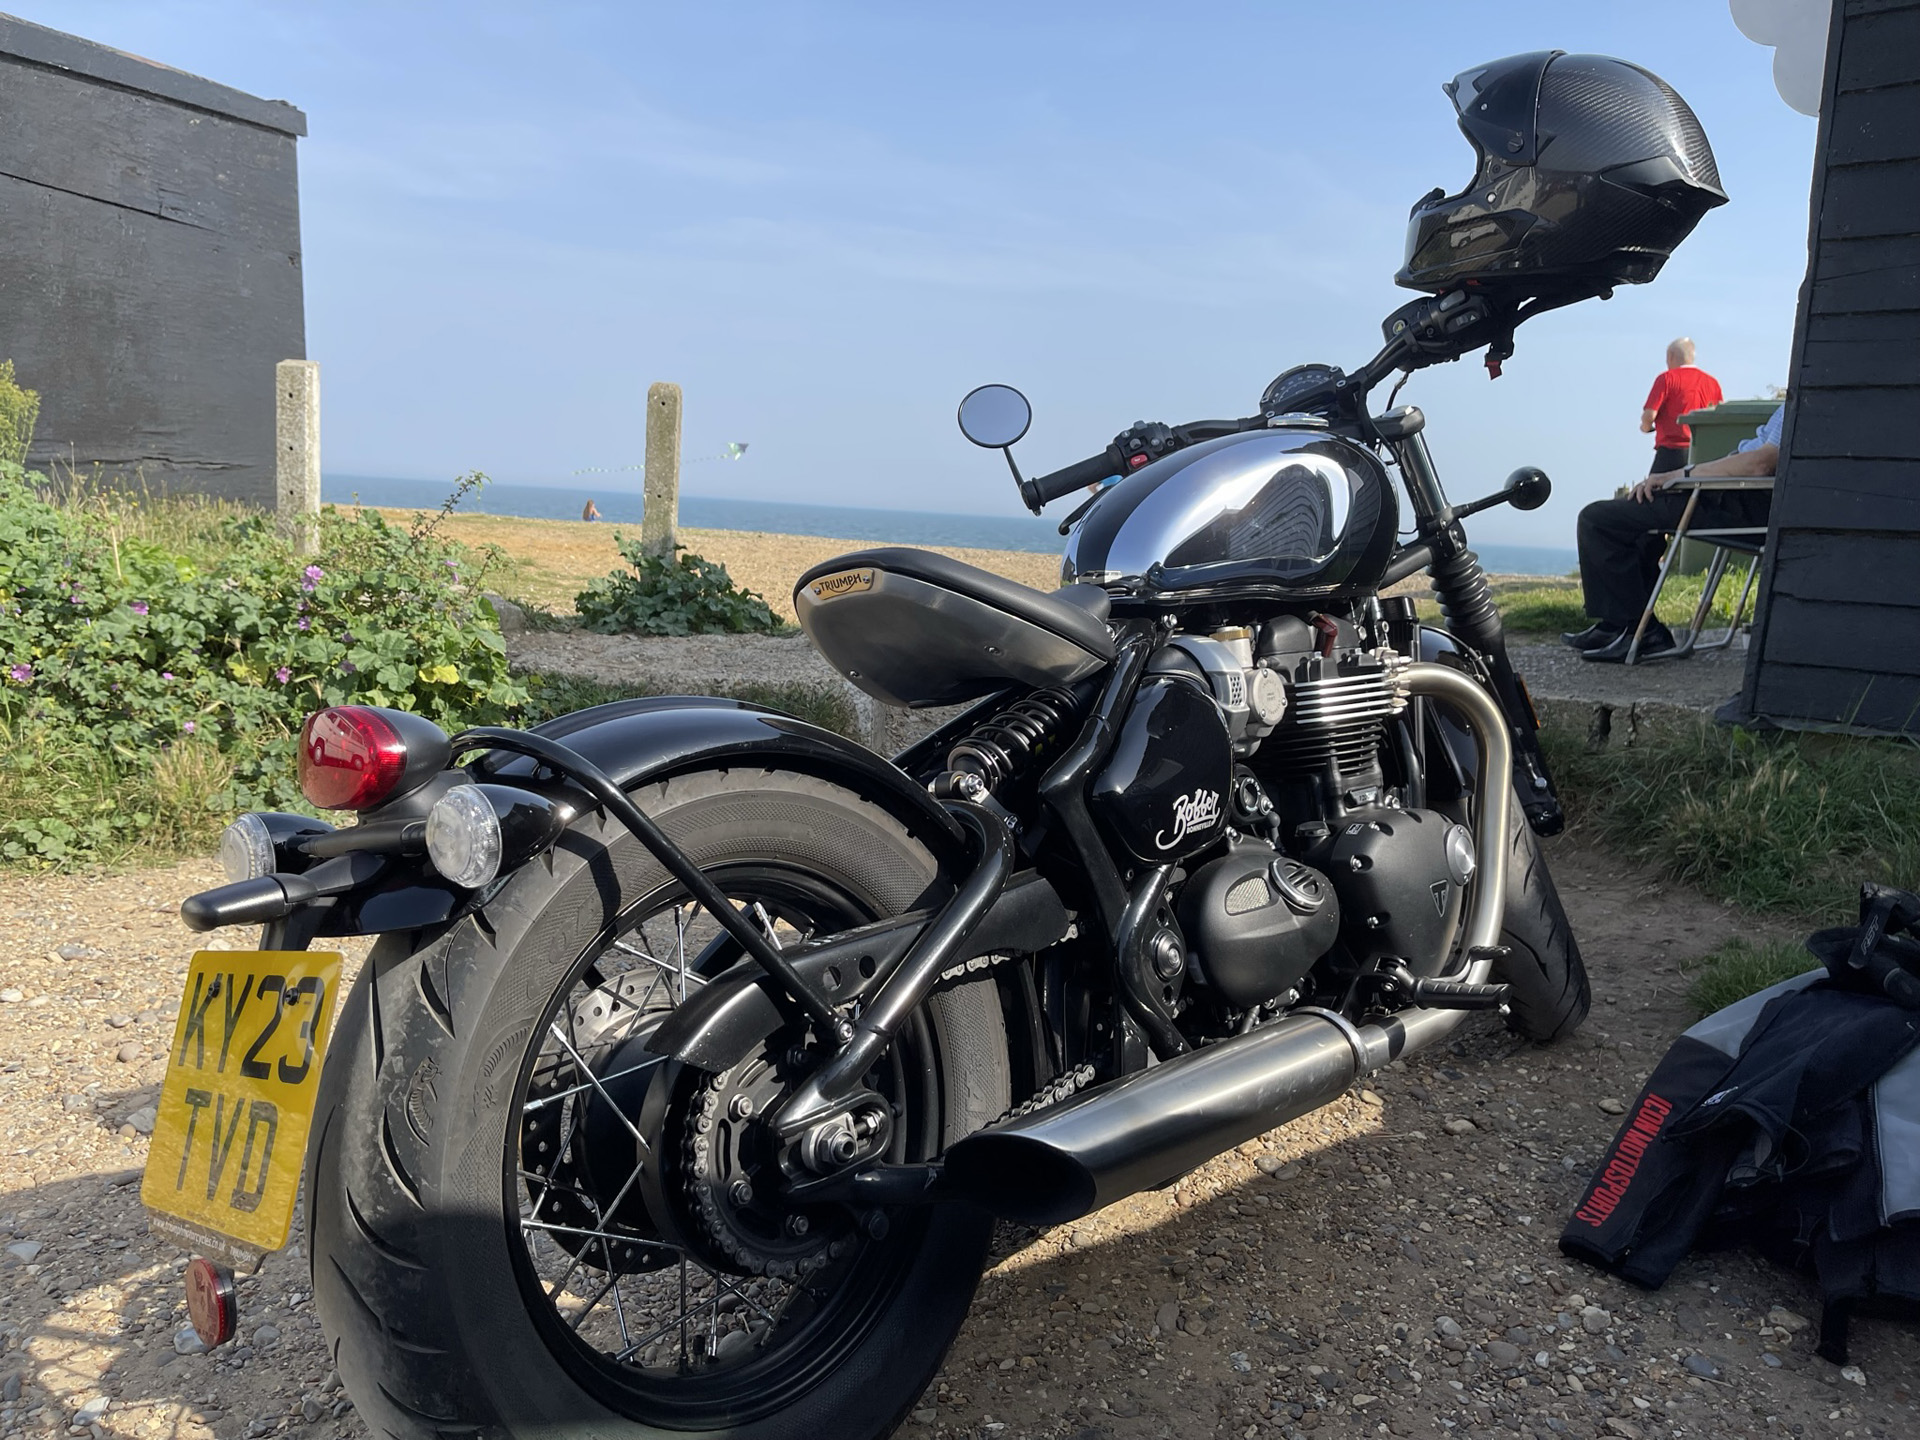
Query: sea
(779, 517)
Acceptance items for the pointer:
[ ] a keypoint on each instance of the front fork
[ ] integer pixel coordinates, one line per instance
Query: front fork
(1467, 606)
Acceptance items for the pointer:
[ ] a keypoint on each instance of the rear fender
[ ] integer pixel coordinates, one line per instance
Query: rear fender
(640, 742)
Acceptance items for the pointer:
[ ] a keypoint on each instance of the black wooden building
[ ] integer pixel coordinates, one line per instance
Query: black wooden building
(1837, 639)
(149, 262)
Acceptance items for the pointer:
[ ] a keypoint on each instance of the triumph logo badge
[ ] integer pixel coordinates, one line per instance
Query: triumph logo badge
(1439, 897)
(1191, 813)
(845, 582)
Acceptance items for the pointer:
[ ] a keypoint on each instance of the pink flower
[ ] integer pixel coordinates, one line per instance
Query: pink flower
(283, 674)
(166, 674)
(303, 622)
(311, 577)
(139, 607)
(188, 727)
(22, 673)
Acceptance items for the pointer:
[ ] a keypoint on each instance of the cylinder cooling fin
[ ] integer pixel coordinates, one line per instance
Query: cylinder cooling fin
(1338, 710)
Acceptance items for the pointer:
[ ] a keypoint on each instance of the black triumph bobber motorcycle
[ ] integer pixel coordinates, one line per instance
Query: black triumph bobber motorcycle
(700, 1047)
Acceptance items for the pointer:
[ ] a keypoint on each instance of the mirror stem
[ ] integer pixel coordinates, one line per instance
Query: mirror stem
(1018, 478)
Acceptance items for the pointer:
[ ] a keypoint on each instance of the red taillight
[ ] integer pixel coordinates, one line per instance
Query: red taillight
(351, 758)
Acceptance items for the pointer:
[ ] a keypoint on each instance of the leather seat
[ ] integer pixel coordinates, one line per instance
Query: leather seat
(1077, 613)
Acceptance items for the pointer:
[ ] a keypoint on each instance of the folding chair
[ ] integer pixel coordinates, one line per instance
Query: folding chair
(1726, 541)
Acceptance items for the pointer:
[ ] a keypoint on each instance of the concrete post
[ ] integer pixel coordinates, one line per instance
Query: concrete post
(660, 526)
(297, 449)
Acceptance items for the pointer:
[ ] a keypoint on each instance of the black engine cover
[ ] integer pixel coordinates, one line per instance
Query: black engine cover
(1399, 895)
(1257, 922)
(1163, 793)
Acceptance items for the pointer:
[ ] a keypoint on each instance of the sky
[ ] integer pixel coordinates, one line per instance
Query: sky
(827, 222)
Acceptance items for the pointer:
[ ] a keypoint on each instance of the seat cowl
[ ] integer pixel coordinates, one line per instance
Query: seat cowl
(1078, 617)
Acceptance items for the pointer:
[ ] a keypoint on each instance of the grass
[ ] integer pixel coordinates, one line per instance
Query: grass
(1784, 823)
(1532, 606)
(1741, 967)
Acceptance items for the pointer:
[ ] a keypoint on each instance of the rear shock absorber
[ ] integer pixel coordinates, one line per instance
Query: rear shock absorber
(1002, 747)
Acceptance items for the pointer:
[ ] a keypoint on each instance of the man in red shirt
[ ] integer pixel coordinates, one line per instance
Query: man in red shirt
(1680, 388)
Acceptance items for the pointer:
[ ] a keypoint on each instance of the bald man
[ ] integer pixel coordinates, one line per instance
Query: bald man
(1682, 387)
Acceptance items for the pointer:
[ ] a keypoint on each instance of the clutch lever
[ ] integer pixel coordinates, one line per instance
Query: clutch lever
(1080, 509)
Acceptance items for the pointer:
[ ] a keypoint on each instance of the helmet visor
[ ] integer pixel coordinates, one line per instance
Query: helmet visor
(1499, 105)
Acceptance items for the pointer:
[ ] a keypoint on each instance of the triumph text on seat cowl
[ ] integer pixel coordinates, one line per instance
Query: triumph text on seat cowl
(699, 1047)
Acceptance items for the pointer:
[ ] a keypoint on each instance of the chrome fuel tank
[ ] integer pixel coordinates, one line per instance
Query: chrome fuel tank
(1282, 514)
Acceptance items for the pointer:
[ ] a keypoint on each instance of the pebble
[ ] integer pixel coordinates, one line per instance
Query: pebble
(1126, 1409)
(12, 996)
(267, 1334)
(1241, 1364)
(119, 1022)
(1369, 1097)
(1167, 1317)
(187, 1342)
(25, 1251)
(1782, 1318)
(1275, 1168)
(1771, 1361)
(130, 1052)
(925, 1415)
(312, 1407)
(1854, 1373)
(74, 950)
(10, 1388)
(1460, 1127)
(92, 1410)
(1703, 1367)
(1595, 1321)
(77, 1104)
(1503, 1352)
(143, 1118)
(1446, 1325)
(1613, 1107)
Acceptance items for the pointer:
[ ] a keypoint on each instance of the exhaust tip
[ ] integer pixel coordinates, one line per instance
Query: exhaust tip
(1019, 1178)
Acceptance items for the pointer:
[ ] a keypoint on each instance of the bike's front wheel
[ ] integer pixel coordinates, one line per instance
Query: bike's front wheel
(522, 1219)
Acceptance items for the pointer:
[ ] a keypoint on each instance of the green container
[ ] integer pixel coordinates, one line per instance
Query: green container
(1717, 431)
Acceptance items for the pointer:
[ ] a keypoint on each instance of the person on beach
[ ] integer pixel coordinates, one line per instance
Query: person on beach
(1621, 542)
(1680, 388)
(592, 511)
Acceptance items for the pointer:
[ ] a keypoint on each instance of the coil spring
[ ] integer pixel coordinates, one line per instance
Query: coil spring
(998, 748)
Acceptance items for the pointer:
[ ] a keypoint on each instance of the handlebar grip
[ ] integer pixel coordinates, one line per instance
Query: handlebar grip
(1042, 489)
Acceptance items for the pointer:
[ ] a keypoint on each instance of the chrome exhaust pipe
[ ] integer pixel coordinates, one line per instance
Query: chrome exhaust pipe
(1153, 1126)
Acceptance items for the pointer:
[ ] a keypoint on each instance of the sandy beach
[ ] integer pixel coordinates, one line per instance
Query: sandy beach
(554, 560)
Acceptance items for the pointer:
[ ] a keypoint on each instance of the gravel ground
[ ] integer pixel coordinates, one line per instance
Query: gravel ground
(1700, 682)
(1386, 1266)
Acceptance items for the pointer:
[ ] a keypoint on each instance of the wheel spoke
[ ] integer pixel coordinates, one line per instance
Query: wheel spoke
(692, 977)
(594, 1081)
(555, 1096)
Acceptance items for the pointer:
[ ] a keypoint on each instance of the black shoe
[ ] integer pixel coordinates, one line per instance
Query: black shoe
(1601, 632)
(1656, 645)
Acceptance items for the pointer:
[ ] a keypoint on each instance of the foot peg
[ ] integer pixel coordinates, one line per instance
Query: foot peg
(1399, 985)
(1459, 995)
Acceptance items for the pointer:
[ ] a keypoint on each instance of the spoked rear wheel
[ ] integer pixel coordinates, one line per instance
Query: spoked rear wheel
(522, 1217)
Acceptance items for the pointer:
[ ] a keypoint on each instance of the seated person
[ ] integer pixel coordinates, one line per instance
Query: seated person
(1621, 542)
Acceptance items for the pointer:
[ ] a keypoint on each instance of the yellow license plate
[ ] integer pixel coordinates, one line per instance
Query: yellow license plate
(230, 1134)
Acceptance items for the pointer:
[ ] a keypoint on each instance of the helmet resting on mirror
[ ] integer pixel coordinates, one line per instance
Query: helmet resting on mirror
(1591, 171)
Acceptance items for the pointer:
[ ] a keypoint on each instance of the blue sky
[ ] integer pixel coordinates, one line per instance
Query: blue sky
(828, 221)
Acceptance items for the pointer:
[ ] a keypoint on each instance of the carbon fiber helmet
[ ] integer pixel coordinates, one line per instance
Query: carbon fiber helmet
(1591, 171)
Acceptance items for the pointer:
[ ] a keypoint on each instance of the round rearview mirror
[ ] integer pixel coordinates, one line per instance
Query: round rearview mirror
(1528, 488)
(994, 416)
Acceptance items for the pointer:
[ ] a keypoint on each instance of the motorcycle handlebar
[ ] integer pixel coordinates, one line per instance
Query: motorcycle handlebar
(1042, 489)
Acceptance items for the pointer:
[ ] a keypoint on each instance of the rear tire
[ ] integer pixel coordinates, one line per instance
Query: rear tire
(420, 1249)
(1550, 995)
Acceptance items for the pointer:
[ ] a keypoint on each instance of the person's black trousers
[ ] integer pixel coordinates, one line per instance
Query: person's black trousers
(1669, 457)
(1621, 542)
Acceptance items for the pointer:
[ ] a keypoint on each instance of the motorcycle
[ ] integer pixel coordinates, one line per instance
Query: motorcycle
(699, 1047)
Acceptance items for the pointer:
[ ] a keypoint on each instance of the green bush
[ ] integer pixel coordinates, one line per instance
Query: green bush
(145, 695)
(1739, 968)
(19, 410)
(1789, 823)
(682, 596)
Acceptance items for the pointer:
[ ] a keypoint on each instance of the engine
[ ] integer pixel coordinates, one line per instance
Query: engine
(1329, 858)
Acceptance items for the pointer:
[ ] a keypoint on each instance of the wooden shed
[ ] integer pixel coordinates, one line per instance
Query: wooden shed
(149, 262)
(1836, 642)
